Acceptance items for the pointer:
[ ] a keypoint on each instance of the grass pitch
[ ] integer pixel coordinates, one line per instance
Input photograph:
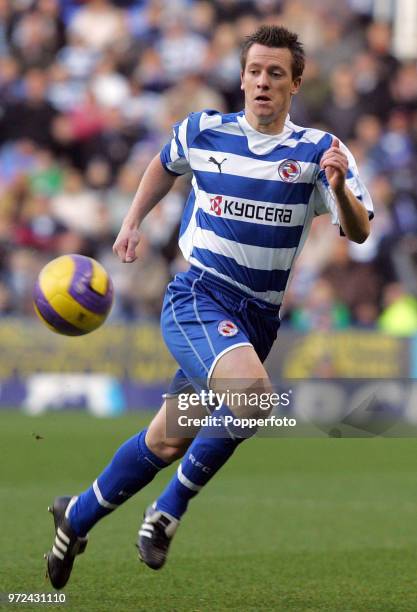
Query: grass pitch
(289, 524)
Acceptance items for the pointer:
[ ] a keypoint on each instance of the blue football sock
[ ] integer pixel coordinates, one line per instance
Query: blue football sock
(132, 467)
(204, 458)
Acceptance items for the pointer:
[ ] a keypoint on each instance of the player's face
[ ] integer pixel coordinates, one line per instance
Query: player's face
(268, 85)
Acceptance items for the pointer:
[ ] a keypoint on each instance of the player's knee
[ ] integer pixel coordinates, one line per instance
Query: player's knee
(168, 452)
(251, 400)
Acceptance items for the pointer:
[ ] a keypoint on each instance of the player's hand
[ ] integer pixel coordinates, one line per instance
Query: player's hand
(335, 164)
(126, 243)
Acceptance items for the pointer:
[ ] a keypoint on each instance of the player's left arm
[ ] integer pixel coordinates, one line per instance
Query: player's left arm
(353, 215)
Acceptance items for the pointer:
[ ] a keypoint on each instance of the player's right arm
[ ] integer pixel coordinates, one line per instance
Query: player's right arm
(173, 161)
(155, 184)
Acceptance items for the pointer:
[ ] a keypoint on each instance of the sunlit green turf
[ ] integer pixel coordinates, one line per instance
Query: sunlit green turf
(290, 524)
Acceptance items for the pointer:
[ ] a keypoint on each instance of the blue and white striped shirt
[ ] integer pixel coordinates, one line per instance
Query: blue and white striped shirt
(253, 197)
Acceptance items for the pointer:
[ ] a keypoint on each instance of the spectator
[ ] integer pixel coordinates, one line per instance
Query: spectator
(6, 303)
(378, 37)
(112, 28)
(10, 83)
(371, 85)
(118, 198)
(64, 93)
(202, 18)
(223, 64)
(30, 118)
(143, 108)
(404, 87)
(78, 58)
(182, 52)
(5, 20)
(35, 38)
(109, 87)
(322, 311)
(138, 289)
(191, 92)
(83, 109)
(342, 107)
(36, 228)
(78, 208)
(47, 176)
(399, 316)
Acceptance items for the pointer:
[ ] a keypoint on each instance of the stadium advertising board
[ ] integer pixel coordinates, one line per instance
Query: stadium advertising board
(123, 367)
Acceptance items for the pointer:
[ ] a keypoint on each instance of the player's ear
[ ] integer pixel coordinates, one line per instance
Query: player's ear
(241, 79)
(295, 87)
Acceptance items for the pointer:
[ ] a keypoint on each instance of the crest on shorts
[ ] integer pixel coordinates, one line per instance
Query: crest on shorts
(289, 170)
(227, 328)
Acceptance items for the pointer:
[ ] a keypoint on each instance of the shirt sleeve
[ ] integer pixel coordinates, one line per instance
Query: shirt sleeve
(174, 155)
(324, 198)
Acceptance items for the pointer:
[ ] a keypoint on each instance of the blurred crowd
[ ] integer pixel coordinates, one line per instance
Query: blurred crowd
(89, 91)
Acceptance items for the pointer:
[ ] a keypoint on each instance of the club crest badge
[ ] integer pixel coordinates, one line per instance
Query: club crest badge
(289, 170)
(227, 328)
(216, 205)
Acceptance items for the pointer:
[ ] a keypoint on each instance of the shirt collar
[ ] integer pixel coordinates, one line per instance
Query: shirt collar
(262, 144)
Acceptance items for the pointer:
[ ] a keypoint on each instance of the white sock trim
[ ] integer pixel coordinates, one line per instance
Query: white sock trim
(101, 499)
(70, 505)
(186, 482)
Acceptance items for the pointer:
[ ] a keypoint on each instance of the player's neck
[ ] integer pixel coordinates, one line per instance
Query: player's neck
(275, 127)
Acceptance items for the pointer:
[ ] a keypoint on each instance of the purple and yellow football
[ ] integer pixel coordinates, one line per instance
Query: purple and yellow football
(73, 295)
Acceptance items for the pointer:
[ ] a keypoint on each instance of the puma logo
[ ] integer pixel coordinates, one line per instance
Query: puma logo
(218, 164)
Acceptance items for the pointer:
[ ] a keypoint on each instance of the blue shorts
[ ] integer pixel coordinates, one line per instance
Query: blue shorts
(204, 317)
